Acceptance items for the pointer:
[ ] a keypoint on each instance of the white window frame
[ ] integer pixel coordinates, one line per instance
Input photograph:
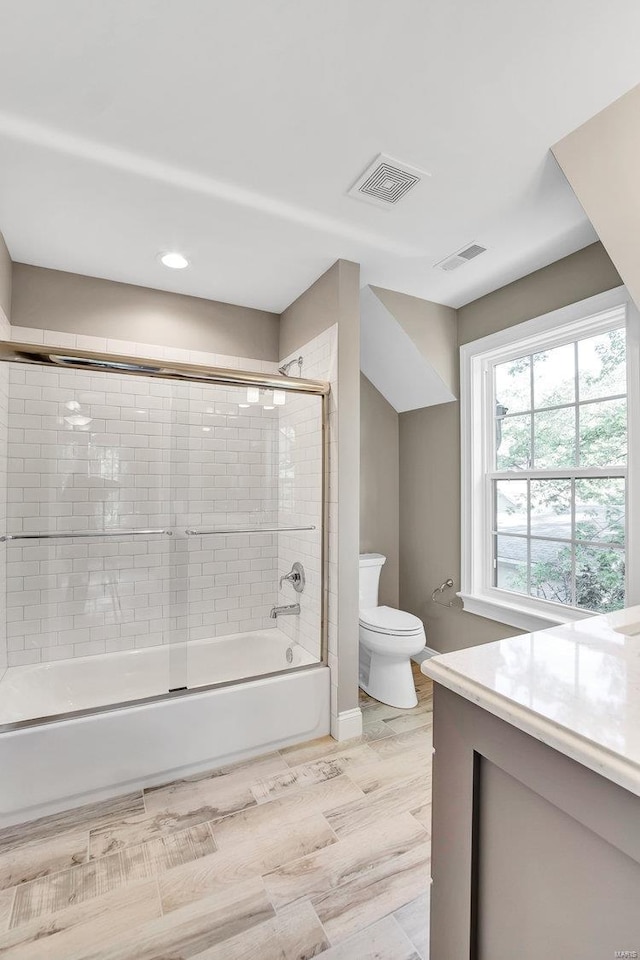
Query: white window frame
(477, 431)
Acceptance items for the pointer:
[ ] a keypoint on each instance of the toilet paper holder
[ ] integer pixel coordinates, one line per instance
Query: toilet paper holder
(447, 585)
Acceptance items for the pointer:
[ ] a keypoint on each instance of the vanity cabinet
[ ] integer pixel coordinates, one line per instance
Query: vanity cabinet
(536, 814)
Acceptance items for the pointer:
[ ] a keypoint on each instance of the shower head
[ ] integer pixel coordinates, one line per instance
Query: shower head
(284, 369)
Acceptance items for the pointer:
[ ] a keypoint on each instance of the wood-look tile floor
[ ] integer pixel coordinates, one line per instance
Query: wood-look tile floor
(318, 849)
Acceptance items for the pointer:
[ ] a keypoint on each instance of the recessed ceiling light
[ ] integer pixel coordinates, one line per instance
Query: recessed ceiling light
(174, 260)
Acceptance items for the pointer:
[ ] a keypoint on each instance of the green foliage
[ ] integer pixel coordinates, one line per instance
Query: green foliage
(599, 583)
(601, 441)
(599, 579)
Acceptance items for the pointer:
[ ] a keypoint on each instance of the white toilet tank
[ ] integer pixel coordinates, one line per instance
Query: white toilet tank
(371, 565)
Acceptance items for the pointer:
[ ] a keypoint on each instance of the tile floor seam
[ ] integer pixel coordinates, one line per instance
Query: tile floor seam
(297, 789)
(330, 828)
(268, 895)
(322, 927)
(348, 879)
(150, 865)
(157, 885)
(402, 930)
(426, 831)
(353, 784)
(49, 917)
(216, 848)
(333, 748)
(13, 904)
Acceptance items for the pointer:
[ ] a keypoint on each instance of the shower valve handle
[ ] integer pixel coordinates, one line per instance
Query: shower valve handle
(295, 577)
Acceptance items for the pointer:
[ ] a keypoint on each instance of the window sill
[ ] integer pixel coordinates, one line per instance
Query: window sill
(517, 615)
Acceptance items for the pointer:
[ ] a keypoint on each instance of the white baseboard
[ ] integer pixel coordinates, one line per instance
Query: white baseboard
(425, 654)
(347, 724)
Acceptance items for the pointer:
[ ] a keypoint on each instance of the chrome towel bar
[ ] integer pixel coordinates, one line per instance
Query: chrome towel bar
(86, 533)
(227, 531)
(217, 531)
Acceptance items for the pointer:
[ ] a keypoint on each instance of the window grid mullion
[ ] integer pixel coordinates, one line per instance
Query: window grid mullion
(577, 399)
(581, 473)
(529, 536)
(601, 544)
(566, 406)
(576, 373)
(573, 538)
(532, 455)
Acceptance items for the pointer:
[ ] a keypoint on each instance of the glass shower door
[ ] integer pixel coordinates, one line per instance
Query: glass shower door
(250, 499)
(89, 541)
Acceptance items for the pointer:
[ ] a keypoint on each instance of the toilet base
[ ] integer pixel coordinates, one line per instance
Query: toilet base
(390, 681)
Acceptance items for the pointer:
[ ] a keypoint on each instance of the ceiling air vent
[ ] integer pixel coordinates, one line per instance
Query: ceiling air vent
(386, 181)
(461, 257)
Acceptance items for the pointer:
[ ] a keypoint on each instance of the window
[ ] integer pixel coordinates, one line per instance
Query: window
(547, 478)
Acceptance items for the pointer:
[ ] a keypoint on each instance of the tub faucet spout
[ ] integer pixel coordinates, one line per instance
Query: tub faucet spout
(290, 610)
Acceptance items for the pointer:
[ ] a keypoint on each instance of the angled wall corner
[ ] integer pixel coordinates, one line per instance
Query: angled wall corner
(408, 348)
(601, 160)
(5, 282)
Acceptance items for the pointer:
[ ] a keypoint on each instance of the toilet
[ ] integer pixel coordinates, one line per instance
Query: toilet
(388, 640)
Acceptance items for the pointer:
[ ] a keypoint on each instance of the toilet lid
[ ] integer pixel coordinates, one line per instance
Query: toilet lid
(389, 620)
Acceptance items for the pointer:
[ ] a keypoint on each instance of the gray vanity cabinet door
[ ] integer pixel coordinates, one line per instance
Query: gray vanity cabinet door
(547, 885)
(533, 855)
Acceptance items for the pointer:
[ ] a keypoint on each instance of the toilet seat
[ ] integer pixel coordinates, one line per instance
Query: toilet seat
(391, 622)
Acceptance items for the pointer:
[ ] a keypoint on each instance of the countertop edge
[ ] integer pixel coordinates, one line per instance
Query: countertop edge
(604, 762)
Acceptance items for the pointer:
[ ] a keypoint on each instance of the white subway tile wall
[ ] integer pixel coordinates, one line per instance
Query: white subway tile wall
(92, 452)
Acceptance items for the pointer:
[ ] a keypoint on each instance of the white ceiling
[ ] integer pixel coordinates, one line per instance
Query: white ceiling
(231, 131)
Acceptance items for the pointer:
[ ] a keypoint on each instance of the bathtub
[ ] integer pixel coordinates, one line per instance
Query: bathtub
(55, 765)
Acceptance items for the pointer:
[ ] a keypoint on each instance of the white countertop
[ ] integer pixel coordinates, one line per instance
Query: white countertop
(574, 687)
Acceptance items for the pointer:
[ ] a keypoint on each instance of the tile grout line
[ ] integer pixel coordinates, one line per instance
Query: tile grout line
(150, 865)
(13, 905)
(337, 886)
(331, 758)
(330, 828)
(403, 931)
(145, 846)
(322, 926)
(157, 882)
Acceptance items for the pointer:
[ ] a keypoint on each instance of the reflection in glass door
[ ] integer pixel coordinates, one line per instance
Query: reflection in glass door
(152, 529)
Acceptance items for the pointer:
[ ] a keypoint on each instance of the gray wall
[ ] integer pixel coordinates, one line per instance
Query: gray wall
(600, 160)
(581, 275)
(54, 300)
(430, 451)
(433, 329)
(313, 311)
(348, 482)
(430, 527)
(379, 486)
(5, 279)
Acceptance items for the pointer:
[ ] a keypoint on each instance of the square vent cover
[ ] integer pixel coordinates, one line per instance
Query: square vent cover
(455, 260)
(386, 181)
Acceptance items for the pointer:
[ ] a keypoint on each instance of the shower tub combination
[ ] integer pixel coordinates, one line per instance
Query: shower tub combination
(154, 514)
